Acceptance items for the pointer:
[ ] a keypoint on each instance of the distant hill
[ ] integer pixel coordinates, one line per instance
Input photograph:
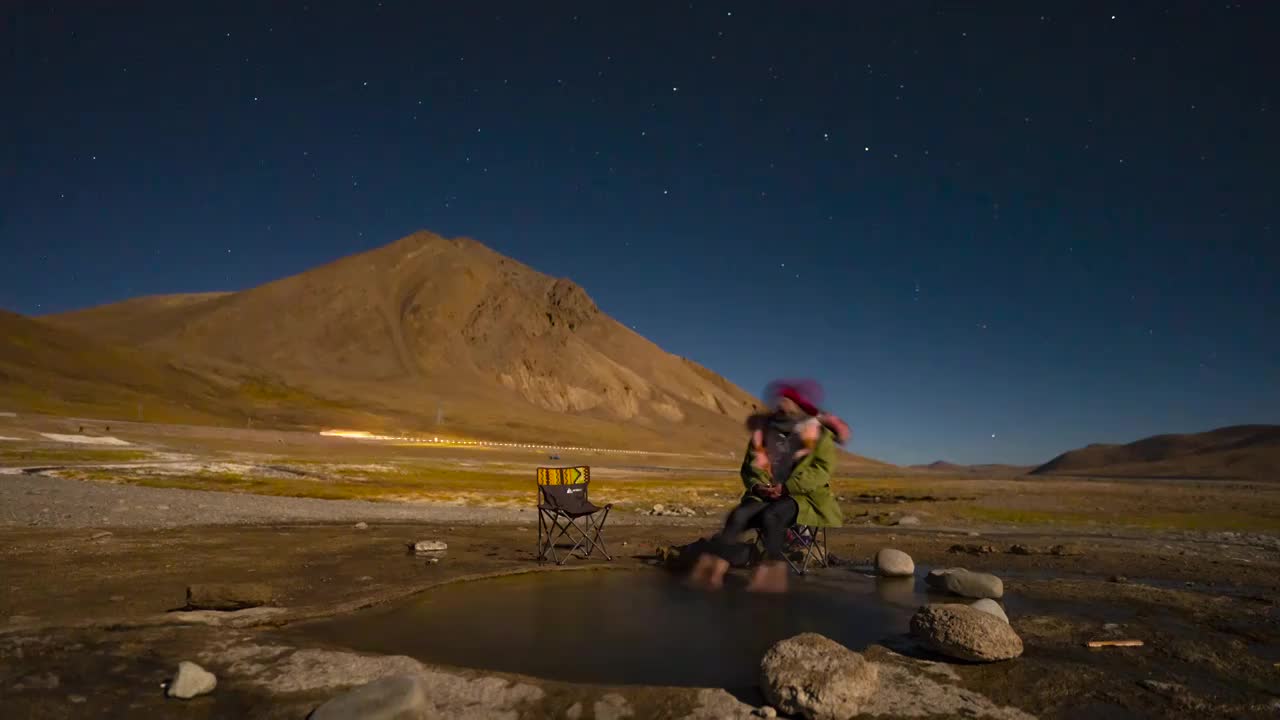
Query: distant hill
(942, 466)
(444, 335)
(1249, 452)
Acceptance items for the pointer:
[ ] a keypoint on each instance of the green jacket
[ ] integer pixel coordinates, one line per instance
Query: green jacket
(809, 484)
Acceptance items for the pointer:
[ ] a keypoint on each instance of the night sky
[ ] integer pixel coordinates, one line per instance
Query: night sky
(995, 231)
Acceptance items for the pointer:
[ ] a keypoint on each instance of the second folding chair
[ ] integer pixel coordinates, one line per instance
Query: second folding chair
(565, 512)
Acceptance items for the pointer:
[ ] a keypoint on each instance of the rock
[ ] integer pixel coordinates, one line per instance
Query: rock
(966, 583)
(394, 697)
(227, 596)
(574, 712)
(991, 607)
(965, 633)
(659, 509)
(101, 535)
(972, 549)
(433, 560)
(612, 707)
(908, 520)
(974, 533)
(894, 563)
(365, 578)
(1066, 550)
(191, 680)
(1021, 550)
(817, 678)
(430, 546)
(1118, 579)
(362, 525)
(766, 711)
(77, 699)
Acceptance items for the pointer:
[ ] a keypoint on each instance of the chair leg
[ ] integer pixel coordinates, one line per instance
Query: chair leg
(597, 527)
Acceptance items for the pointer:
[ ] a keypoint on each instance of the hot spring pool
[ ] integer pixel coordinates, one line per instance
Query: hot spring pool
(621, 627)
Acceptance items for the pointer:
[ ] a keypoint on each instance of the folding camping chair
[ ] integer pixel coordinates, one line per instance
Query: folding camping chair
(807, 541)
(565, 512)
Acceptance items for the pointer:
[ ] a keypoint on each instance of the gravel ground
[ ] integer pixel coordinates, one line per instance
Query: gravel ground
(43, 501)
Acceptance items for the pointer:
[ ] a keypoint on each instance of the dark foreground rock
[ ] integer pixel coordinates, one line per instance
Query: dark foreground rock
(965, 633)
(816, 678)
(227, 596)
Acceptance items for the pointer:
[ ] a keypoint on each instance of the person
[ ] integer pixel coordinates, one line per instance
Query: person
(787, 476)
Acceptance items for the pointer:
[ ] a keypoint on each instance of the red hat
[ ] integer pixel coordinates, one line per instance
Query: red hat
(807, 394)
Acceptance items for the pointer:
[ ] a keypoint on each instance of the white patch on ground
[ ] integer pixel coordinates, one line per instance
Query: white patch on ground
(10, 471)
(6, 437)
(86, 439)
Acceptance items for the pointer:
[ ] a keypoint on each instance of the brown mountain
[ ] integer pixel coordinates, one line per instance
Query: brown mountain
(942, 466)
(1249, 452)
(428, 329)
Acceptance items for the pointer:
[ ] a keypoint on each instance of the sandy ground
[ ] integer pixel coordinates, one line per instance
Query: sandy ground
(93, 570)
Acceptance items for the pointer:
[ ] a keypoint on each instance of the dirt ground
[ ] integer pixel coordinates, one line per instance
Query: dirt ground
(87, 627)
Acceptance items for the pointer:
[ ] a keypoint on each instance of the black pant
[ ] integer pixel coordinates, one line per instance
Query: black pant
(772, 518)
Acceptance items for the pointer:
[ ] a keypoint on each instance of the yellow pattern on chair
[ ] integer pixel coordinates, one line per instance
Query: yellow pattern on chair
(564, 475)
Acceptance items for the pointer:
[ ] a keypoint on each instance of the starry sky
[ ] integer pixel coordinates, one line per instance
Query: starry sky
(995, 231)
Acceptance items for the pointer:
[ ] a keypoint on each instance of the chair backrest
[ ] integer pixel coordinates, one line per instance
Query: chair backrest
(563, 487)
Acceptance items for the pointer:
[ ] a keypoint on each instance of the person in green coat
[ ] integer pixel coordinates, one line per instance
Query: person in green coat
(787, 476)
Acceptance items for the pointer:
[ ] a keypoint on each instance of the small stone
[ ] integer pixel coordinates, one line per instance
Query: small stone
(227, 596)
(974, 533)
(991, 607)
(365, 578)
(574, 712)
(965, 633)
(966, 583)
(1111, 626)
(101, 535)
(362, 525)
(908, 520)
(894, 563)
(1118, 579)
(433, 561)
(817, 678)
(1020, 550)
(1066, 550)
(117, 598)
(191, 680)
(765, 711)
(77, 699)
(428, 546)
(395, 697)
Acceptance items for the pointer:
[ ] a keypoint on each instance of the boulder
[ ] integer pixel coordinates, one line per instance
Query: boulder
(966, 583)
(430, 546)
(227, 596)
(816, 678)
(965, 633)
(991, 607)
(394, 697)
(908, 520)
(191, 680)
(894, 563)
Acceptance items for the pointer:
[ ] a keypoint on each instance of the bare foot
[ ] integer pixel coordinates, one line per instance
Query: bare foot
(769, 577)
(719, 567)
(708, 572)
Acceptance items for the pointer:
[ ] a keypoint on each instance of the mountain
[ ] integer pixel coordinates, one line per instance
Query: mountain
(1250, 452)
(442, 335)
(942, 466)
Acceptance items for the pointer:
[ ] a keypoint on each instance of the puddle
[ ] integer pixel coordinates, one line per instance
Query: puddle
(621, 627)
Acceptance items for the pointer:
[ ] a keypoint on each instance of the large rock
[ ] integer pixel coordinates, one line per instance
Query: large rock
(816, 678)
(190, 681)
(227, 596)
(965, 633)
(990, 607)
(894, 563)
(395, 697)
(966, 583)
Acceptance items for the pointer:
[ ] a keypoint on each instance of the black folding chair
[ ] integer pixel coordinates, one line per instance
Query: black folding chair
(564, 512)
(804, 547)
(810, 543)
